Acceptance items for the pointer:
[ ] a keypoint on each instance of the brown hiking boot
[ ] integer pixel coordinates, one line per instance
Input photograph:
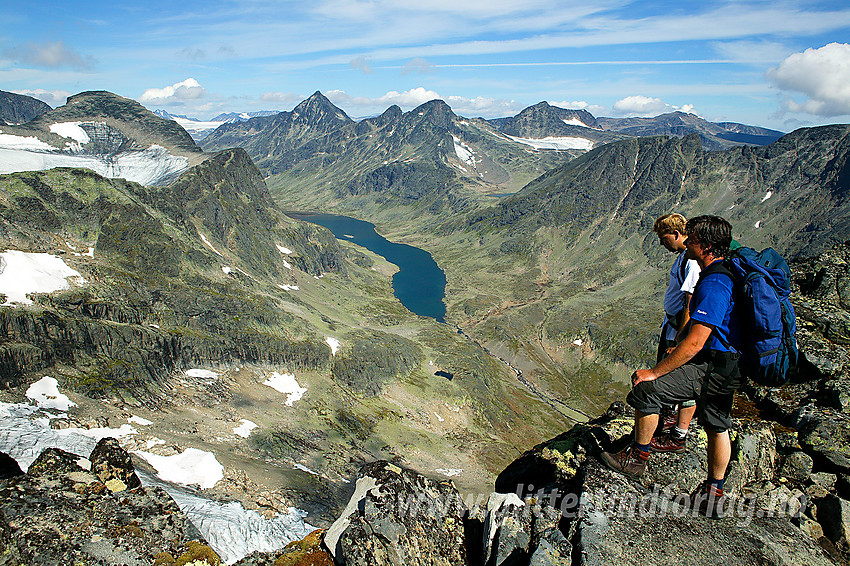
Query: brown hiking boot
(667, 419)
(630, 462)
(710, 501)
(668, 443)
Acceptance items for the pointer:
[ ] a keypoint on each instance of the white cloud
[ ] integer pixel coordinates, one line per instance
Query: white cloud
(752, 51)
(189, 89)
(418, 65)
(639, 105)
(52, 97)
(822, 75)
(594, 109)
(361, 64)
(51, 54)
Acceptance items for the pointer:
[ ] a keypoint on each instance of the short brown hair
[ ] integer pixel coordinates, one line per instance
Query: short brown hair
(714, 232)
(669, 223)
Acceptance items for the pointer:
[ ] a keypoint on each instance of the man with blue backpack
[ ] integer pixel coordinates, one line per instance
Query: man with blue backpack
(703, 366)
(742, 326)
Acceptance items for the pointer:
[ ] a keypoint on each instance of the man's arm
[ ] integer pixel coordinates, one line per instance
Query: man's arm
(684, 352)
(686, 317)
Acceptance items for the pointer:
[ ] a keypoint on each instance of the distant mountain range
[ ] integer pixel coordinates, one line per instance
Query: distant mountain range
(199, 129)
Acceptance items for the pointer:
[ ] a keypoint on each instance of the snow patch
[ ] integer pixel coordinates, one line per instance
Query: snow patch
(45, 393)
(578, 342)
(559, 143)
(245, 427)
(71, 130)
(227, 270)
(23, 272)
(139, 421)
(439, 418)
(304, 468)
(334, 344)
(285, 383)
(758, 224)
(575, 122)
(767, 196)
(207, 242)
(287, 265)
(202, 373)
(192, 466)
(283, 250)
(463, 152)
(30, 143)
(289, 287)
(449, 472)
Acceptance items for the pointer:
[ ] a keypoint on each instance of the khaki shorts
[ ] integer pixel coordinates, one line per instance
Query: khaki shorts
(714, 395)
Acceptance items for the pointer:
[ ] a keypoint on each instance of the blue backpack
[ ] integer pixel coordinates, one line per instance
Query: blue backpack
(768, 347)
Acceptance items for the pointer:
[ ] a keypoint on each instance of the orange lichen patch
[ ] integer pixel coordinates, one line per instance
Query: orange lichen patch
(744, 409)
(196, 554)
(306, 552)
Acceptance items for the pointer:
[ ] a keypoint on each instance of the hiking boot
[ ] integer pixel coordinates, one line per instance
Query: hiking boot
(667, 419)
(668, 443)
(630, 462)
(710, 501)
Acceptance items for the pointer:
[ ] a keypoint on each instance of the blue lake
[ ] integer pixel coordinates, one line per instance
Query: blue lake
(419, 284)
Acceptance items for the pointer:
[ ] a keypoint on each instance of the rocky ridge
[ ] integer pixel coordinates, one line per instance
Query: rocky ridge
(20, 109)
(556, 504)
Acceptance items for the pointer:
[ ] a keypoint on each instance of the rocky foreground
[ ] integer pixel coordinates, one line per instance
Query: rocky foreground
(555, 505)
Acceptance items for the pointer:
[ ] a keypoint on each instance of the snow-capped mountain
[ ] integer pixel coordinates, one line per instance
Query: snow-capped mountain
(113, 136)
(199, 129)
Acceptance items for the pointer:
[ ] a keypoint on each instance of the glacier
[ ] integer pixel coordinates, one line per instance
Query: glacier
(147, 167)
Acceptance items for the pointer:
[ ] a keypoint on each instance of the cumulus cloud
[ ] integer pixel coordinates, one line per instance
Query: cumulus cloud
(361, 64)
(51, 54)
(417, 65)
(594, 109)
(479, 106)
(175, 94)
(822, 75)
(52, 97)
(639, 105)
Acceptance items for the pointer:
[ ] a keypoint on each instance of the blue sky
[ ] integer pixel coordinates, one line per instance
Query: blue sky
(775, 64)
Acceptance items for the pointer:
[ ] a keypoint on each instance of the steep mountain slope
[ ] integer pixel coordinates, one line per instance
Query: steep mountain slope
(713, 135)
(111, 135)
(198, 299)
(20, 109)
(564, 278)
(545, 121)
(317, 156)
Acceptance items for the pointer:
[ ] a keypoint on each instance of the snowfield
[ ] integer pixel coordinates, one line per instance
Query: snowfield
(231, 530)
(556, 143)
(23, 272)
(146, 167)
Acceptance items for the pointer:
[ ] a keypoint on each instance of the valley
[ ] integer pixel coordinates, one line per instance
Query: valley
(552, 293)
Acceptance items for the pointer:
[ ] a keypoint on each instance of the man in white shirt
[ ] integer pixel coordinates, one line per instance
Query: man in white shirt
(684, 274)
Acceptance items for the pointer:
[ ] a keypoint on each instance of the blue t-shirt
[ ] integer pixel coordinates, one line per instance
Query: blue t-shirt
(711, 304)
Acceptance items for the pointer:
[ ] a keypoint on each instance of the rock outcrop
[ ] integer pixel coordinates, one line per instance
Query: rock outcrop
(557, 504)
(65, 510)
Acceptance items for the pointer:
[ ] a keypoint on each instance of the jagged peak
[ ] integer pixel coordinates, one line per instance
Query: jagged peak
(318, 108)
(434, 111)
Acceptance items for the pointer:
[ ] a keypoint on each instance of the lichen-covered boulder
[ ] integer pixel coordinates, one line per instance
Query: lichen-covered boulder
(399, 517)
(61, 513)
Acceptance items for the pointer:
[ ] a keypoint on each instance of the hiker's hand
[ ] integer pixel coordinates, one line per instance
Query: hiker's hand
(642, 375)
(670, 350)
